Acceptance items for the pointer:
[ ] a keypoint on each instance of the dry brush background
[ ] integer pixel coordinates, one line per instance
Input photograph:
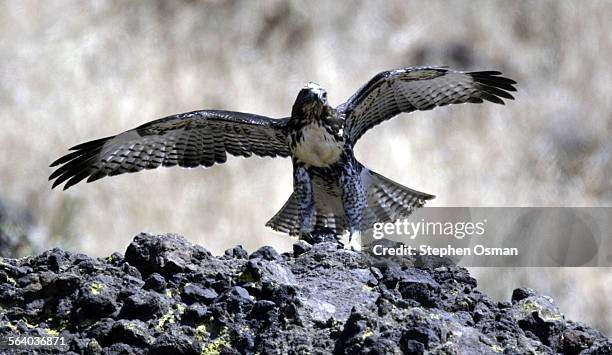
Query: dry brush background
(78, 70)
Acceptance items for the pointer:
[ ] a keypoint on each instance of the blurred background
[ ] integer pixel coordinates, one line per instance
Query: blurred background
(73, 71)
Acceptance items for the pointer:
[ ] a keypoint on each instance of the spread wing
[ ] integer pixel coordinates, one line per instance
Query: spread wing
(188, 140)
(404, 90)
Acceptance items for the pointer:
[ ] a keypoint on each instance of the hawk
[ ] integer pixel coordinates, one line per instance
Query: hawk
(332, 191)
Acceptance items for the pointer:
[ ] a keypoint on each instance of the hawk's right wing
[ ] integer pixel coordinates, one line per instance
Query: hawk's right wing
(188, 140)
(423, 88)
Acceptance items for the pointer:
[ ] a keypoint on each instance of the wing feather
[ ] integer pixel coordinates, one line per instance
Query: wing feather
(188, 140)
(423, 88)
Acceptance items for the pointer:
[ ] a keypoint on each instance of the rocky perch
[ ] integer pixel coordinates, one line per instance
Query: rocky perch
(168, 296)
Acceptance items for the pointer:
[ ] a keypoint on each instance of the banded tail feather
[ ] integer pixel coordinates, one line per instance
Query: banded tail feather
(287, 219)
(388, 201)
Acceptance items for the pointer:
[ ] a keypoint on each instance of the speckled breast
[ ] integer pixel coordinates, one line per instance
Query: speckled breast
(317, 146)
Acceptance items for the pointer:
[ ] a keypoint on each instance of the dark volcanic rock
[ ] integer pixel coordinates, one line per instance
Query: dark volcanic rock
(194, 293)
(168, 296)
(166, 256)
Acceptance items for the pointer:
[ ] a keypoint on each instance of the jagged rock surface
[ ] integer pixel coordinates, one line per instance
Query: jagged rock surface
(169, 296)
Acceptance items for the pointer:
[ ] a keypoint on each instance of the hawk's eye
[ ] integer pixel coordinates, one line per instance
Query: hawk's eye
(324, 95)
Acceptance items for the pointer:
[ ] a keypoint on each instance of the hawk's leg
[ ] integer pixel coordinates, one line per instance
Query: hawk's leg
(302, 189)
(354, 199)
(321, 235)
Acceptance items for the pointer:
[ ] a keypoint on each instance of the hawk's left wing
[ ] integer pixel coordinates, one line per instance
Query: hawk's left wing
(404, 90)
(188, 140)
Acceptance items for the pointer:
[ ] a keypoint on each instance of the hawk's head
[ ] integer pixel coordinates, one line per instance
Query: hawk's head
(310, 103)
